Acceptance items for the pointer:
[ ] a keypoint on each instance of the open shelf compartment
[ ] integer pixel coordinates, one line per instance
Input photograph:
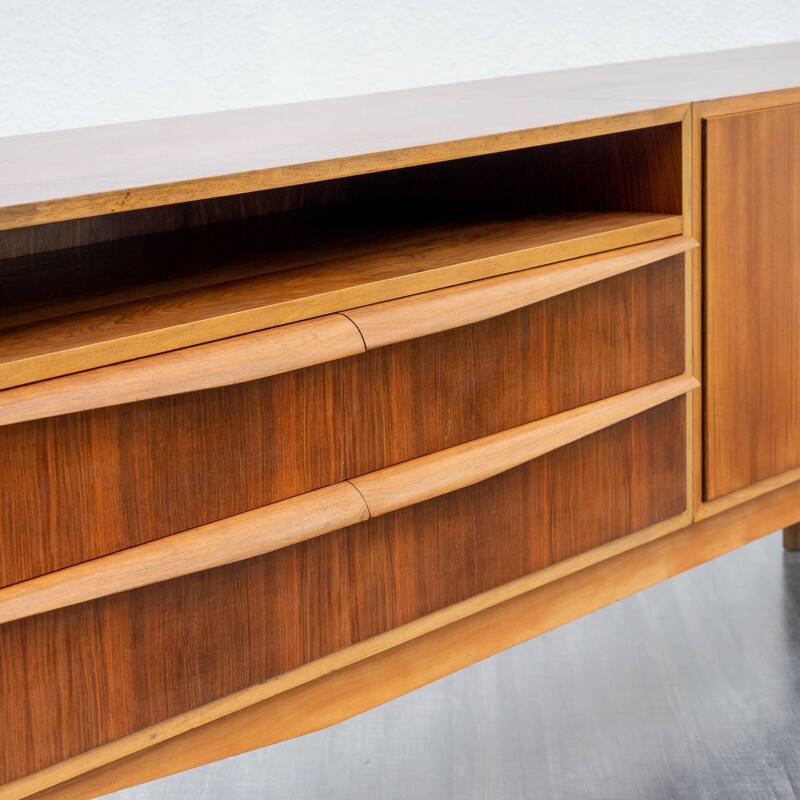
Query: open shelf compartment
(213, 269)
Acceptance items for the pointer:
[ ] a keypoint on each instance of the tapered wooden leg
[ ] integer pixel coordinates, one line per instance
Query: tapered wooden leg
(791, 537)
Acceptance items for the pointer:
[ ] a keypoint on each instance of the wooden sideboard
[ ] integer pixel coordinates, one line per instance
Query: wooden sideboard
(303, 407)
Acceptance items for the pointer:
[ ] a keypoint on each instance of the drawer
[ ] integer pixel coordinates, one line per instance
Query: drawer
(107, 459)
(424, 557)
(80, 485)
(170, 646)
(420, 396)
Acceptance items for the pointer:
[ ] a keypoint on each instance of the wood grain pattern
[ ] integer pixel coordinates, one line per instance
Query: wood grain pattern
(137, 664)
(693, 159)
(75, 678)
(103, 480)
(412, 317)
(297, 283)
(305, 516)
(208, 144)
(636, 170)
(242, 536)
(630, 170)
(462, 465)
(34, 239)
(348, 656)
(752, 266)
(73, 174)
(700, 112)
(226, 362)
(748, 102)
(284, 348)
(267, 610)
(421, 396)
(368, 682)
(710, 507)
(637, 318)
(425, 557)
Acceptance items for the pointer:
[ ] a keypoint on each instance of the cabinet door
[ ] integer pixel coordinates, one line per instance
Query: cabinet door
(752, 274)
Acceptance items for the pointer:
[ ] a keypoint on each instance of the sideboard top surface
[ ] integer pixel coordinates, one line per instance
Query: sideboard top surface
(48, 177)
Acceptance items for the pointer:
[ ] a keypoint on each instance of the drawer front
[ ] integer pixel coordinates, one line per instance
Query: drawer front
(78, 486)
(420, 396)
(126, 661)
(121, 663)
(424, 557)
(84, 484)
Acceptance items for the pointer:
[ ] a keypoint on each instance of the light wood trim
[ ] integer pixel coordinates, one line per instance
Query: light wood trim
(294, 704)
(346, 657)
(129, 198)
(747, 102)
(791, 537)
(221, 363)
(695, 219)
(456, 467)
(691, 326)
(305, 516)
(719, 504)
(98, 338)
(411, 317)
(224, 541)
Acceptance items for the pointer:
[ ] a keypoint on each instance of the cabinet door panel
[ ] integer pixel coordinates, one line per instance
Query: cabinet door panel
(752, 273)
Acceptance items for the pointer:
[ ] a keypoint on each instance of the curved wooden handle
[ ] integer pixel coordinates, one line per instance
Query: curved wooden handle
(235, 538)
(302, 344)
(442, 309)
(205, 366)
(448, 470)
(321, 511)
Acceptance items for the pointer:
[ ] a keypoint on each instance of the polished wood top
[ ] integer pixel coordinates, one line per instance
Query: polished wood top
(61, 175)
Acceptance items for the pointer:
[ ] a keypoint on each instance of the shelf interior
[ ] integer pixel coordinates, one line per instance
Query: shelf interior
(327, 247)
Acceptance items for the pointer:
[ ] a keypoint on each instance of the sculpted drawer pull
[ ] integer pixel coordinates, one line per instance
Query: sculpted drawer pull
(302, 344)
(448, 470)
(204, 366)
(465, 304)
(315, 513)
(236, 538)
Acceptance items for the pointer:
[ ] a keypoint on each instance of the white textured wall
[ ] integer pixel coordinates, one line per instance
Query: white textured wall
(70, 63)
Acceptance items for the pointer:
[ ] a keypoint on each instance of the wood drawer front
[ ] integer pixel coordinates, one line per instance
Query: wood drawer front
(75, 678)
(126, 661)
(78, 486)
(143, 461)
(428, 556)
(420, 396)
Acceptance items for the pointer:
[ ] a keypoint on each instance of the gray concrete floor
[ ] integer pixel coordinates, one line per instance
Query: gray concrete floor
(690, 689)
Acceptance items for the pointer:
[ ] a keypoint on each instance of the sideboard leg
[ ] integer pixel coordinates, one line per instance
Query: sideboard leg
(791, 537)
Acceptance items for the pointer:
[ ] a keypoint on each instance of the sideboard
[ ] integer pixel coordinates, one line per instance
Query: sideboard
(303, 407)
